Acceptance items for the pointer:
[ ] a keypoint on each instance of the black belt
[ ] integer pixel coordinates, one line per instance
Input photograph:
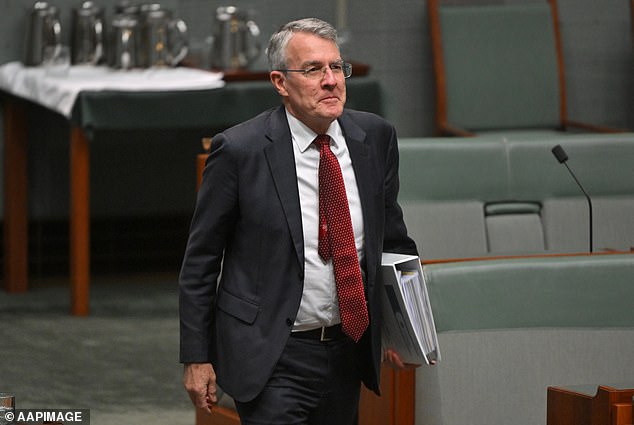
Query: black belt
(329, 333)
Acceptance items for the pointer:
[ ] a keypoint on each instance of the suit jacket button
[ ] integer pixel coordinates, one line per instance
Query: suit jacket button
(289, 322)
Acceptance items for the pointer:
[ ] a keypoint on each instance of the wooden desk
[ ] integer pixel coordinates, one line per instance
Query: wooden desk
(605, 405)
(208, 110)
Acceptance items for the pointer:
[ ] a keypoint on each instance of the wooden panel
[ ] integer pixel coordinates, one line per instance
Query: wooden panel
(405, 397)
(439, 66)
(219, 416)
(79, 222)
(610, 406)
(621, 414)
(375, 410)
(200, 166)
(395, 406)
(603, 402)
(566, 407)
(15, 197)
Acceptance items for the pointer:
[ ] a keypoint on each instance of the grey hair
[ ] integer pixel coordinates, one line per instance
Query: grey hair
(276, 51)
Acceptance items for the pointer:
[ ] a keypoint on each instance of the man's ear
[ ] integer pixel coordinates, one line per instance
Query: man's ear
(278, 79)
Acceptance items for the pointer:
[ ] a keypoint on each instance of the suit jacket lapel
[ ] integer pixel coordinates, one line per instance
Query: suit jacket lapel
(281, 162)
(365, 175)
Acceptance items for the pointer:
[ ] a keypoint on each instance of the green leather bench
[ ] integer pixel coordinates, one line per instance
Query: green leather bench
(484, 196)
(509, 328)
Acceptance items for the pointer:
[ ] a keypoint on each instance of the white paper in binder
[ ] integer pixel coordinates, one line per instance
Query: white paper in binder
(408, 321)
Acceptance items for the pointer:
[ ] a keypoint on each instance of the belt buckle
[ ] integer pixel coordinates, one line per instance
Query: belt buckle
(322, 337)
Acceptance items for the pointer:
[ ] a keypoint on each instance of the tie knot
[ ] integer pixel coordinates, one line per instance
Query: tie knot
(322, 140)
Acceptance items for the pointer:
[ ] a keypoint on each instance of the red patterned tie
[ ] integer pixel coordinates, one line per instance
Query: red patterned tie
(336, 241)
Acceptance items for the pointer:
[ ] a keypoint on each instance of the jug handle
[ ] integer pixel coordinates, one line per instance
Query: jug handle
(125, 49)
(255, 47)
(98, 30)
(56, 29)
(178, 27)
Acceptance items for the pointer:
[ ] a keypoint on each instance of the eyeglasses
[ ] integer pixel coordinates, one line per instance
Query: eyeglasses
(317, 73)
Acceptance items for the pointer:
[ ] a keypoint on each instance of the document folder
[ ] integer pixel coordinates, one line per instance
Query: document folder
(408, 321)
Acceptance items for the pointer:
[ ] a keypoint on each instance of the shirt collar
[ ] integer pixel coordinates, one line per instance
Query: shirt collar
(304, 136)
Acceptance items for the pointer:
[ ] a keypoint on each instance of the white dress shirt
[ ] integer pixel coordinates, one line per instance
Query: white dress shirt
(319, 306)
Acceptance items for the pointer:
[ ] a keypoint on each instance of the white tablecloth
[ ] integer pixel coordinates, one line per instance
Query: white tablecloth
(60, 92)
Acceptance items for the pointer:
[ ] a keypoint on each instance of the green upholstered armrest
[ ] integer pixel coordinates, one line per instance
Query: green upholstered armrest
(533, 292)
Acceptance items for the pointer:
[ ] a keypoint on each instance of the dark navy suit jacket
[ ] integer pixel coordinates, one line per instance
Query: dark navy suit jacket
(247, 232)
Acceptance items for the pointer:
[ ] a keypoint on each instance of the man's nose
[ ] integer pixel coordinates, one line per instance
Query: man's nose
(329, 78)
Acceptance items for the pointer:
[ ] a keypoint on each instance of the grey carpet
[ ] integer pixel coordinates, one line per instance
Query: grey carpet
(121, 362)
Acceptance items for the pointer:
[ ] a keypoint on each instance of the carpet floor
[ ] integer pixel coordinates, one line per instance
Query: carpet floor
(121, 361)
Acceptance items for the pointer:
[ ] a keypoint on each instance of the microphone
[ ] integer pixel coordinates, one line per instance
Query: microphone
(562, 157)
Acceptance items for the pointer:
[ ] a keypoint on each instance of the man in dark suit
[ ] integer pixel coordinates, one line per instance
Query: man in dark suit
(261, 308)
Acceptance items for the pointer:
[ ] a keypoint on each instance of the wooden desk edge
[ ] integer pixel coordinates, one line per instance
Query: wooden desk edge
(520, 256)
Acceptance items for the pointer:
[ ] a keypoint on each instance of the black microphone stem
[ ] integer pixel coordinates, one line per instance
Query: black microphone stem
(587, 198)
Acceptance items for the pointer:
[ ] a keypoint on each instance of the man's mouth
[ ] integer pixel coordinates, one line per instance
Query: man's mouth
(329, 99)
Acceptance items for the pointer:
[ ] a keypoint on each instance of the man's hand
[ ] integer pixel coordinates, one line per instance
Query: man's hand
(199, 380)
(393, 359)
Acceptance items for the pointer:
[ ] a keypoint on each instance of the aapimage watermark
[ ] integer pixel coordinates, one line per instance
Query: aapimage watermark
(51, 416)
(9, 415)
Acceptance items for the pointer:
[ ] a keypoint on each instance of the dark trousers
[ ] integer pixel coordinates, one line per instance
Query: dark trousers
(314, 383)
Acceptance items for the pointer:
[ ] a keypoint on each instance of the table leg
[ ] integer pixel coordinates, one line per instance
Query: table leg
(79, 222)
(16, 234)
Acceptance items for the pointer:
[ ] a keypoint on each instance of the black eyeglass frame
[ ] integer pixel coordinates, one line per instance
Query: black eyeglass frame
(346, 69)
